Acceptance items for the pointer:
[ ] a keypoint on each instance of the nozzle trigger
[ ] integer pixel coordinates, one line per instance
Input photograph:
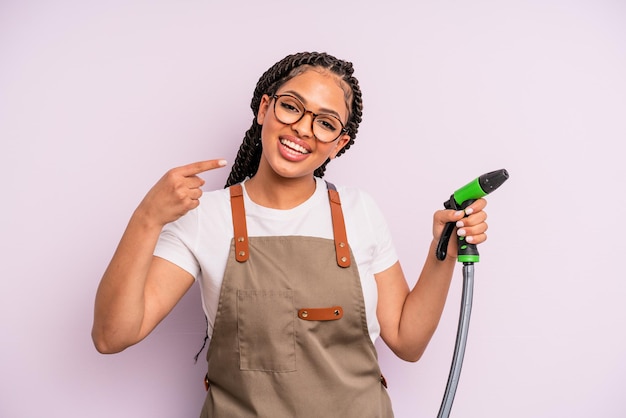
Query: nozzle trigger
(442, 246)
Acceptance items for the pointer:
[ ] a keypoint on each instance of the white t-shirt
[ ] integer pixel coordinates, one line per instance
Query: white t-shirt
(199, 242)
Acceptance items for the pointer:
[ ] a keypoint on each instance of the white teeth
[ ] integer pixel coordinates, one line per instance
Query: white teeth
(294, 146)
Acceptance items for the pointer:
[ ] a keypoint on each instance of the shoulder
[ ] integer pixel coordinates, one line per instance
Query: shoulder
(218, 196)
(359, 207)
(214, 204)
(214, 207)
(367, 228)
(356, 199)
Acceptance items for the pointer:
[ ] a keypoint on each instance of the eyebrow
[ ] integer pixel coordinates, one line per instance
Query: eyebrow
(303, 100)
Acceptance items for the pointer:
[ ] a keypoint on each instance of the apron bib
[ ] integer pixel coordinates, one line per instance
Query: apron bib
(290, 337)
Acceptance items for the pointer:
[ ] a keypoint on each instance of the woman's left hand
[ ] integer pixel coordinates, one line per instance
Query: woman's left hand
(470, 223)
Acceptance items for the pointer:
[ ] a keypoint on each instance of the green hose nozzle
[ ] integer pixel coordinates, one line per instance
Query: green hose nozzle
(461, 199)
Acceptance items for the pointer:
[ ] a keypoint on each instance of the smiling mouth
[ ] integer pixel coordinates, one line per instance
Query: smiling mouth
(294, 147)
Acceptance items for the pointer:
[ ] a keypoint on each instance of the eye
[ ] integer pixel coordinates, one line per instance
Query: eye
(328, 123)
(290, 105)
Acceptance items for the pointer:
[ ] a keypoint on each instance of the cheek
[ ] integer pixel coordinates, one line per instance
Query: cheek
(269, 126)
(331, 151)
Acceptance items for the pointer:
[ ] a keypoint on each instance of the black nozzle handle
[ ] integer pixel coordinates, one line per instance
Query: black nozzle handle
(466, 251)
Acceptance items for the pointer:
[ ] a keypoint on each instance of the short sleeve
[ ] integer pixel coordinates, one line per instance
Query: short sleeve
(177, 243)
(384, 253)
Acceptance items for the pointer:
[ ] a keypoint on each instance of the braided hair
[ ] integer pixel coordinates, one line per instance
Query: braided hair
(249, 154)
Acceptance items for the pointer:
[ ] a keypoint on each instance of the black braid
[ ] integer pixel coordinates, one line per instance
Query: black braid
(249, 154)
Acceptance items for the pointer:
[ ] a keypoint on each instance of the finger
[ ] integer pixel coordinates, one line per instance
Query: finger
(443, 216)
(473, 219)
(476, 239)
(473, 230)
(195, 194)
(450, 215)
(200, 167)
(476, 206)
(192, 204)
(194, 182)
(474, 234)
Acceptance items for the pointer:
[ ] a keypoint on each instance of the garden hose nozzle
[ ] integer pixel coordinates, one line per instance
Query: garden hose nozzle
(461, 199)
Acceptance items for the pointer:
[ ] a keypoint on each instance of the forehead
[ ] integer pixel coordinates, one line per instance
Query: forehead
(320, 89)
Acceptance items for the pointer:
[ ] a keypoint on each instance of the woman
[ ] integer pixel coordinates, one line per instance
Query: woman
(298, 278)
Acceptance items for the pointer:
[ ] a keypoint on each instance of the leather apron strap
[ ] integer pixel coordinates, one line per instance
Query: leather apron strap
(242, 249)
(239, 223)
(339, 227)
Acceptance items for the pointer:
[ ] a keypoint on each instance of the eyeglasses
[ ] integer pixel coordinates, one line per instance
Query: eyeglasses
(289, 110)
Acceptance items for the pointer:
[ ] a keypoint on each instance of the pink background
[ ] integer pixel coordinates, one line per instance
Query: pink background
(99, 98)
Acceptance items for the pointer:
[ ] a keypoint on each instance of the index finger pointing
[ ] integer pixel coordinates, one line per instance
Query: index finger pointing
(201, 166)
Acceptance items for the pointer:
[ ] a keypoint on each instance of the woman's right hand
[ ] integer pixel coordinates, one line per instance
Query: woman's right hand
(176, 193)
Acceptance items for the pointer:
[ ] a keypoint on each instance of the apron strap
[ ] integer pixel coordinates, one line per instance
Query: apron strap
(239, 223)
(240, 228)
(339, 227)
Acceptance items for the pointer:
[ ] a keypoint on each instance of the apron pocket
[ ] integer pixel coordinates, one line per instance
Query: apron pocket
(265, 330)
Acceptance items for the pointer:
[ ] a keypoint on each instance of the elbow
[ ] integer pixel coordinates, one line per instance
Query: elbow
(410, 354)
(412, 357)
(104, 345)
(408, 349)
(103, 348)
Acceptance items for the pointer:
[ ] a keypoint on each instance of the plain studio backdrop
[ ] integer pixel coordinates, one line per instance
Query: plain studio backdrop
(99, 98)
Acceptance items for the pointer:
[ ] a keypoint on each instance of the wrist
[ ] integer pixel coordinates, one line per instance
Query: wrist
(143, 220)
(451, 256)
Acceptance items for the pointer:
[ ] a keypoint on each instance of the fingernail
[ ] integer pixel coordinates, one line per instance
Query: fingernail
(461, 232)
(459, 224)
(469, 211)
(459, 213)
(221, 162)
(469, 239)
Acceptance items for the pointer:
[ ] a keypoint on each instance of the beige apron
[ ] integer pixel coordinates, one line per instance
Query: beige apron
(290, 336)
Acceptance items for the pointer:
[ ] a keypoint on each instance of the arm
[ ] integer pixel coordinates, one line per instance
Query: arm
(137, 289)
(409, 318)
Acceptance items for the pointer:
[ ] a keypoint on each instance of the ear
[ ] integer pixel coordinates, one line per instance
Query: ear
(263, 108)
(341, 142)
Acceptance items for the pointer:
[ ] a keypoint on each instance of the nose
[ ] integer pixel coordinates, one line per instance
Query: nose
(304, 127)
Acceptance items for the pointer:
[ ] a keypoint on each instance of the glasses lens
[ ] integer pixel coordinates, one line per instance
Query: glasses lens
(288, 110)
(326, 128)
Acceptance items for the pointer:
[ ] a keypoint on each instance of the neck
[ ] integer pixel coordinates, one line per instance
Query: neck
(277, 192)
